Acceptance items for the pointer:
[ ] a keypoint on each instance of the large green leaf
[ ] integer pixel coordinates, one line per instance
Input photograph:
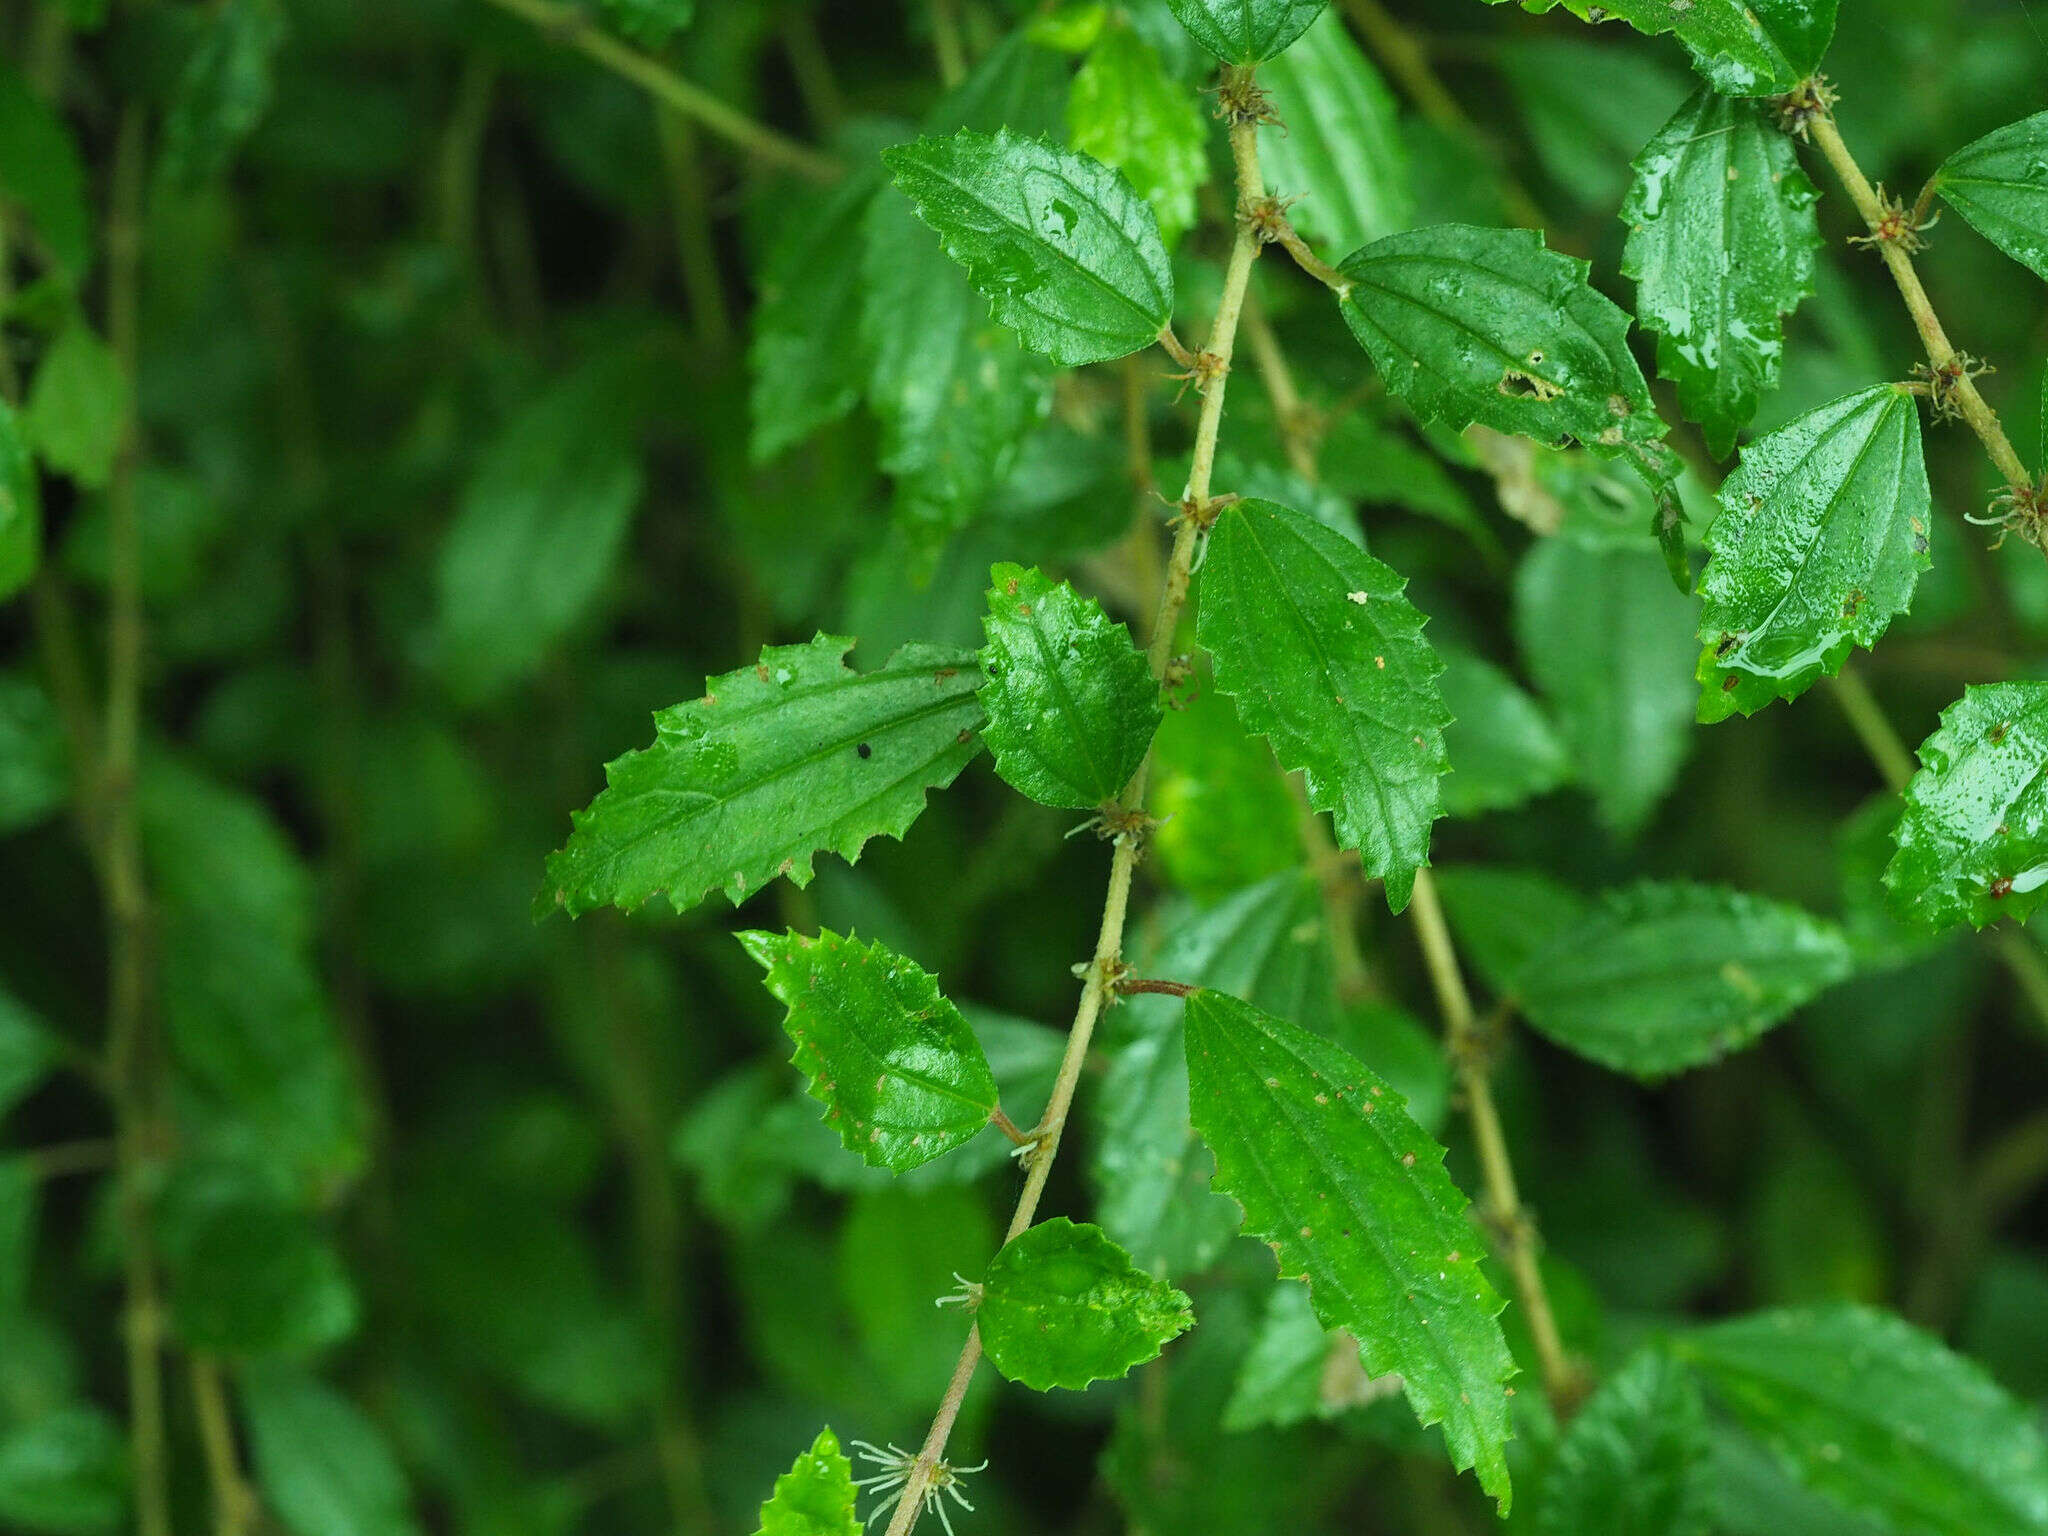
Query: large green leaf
(1501, 746)
(795, 754)
(1245, 31)
(1660, 977)
(1129, 112)
(1342, 153)
(324, 1467)
(1063, 1306)
(65, 1473)
(1353, 1197)
(901, 1075)
(1973, 840)
(1745, 47)
(1721, 242)
(1822, 537)
(42, 176)
(1325, 657)
(1066, 253)
(1634, 1462)
(815, 1497)
(2000, 184)
(1071, 703)
(1469, 324)
(1882, 1418)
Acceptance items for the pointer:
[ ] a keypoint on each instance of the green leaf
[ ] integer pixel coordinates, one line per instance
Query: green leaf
(1879, 1417)
(1297, 1370)
(1226, 819)
(815, 1497)
(2000, 184)
(1245, 31)
(539, 528)
(650, 22)
(1469, 324)
(1066, 253)
(1721, 242)
(65, 1473)
(1128, 112)
(1973, 840)
(1501, 746)
(1634, 1461)
(27, 1050)
(224, 91)
(902, 1076)
(1071, 703)
(1353, 1197)
(20, 1198)
(323, 1466)
(78, 407)
(42, 176)
(1661, 977)
(34, 768)
(21, 510)
(1342, 151)
(899, 1249)
(1822, 537)
(1325, 657)
(1504, 918)
(795, 754)
(1744, 47)
(1063, 1306)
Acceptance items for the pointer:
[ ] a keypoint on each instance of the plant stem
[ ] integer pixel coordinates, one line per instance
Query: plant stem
(1098, 990)
(824, 102)
(696, 253)
(1947, 363)
(234, 1506)
(947, 43)
(566, 23)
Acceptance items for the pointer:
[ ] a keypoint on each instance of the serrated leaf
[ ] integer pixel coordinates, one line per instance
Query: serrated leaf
(1634, 1461)
(1245, 31)
(901, 1075)
(224, 91)
(1973, 839)
(78, 406)
(1342, 152)
(1353, 1197)
(1325, 657)
(2000, 184)
(1661, 977)
(1488, 325)
(815, 1497)
(41, 175)
(65, 1473)
(1881, 1418)
(1744, 47)
(1822, 536)
(1128, 112)
(1071, 702)
(1501, 746)
(324, 1467)
(1721, 243)
(794, 755)
(1066, 253)
(1063, 1306)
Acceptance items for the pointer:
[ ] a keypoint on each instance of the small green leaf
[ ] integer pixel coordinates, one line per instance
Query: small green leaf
(78, 407)
(21, 510)
(224, 91)
(815, 1497)
(42, 175)
(322, 1464)
(65, 1473)
(1245, 31)
(795, 754)
(1071, 703)
(1634, 1461)
(1128, 112)
(1822, 537)
(902, 1076)
(1063, 1306)
(1501, 746)
(1881, 1418)
(1744, 47)
(1973, 840)
(1342, 153)
(1722, 237)
(1325, 657)
(1067, 254)
(2000, 184)
(1353, 1197)
(1661, 977)
(1487, 325)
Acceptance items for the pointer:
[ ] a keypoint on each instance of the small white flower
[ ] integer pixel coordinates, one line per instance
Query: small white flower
(893, 1481)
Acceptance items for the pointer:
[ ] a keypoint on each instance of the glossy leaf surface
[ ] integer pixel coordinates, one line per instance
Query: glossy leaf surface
(1071, 702)
(1634, 1461)
(1063, 1306)
(1821, 539)
(1245, 31)
(1744, 47)
(1127, 111)
(1353, 1197)
(794, 755)
(1973, 839)
(1325, 657)
(1066, 253)
(1721, 243)
(1342, 152)
(815, 1497)
(2000, 184)
(901, 1075)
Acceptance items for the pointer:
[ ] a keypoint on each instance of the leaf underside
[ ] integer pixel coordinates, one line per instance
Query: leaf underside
(1743, 47)
(1245, 31)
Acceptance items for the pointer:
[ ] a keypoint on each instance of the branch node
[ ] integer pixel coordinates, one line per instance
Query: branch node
(1896, 225)
(1810, 99)
(1943, 385)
